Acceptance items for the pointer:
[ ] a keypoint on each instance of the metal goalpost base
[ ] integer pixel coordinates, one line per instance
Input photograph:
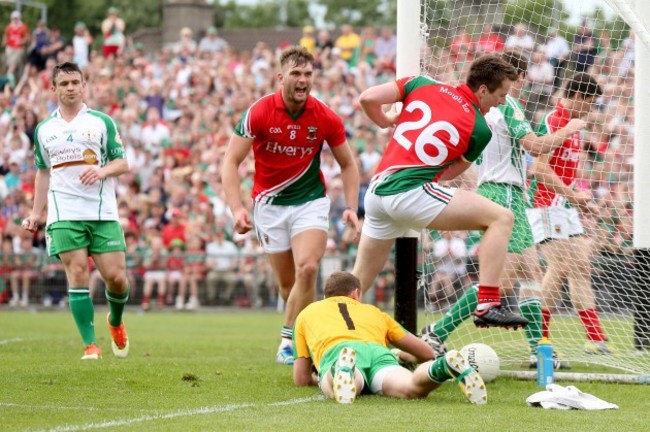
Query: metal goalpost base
(406, 261)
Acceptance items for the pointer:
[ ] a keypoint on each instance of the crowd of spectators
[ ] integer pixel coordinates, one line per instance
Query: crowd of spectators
(176, 109)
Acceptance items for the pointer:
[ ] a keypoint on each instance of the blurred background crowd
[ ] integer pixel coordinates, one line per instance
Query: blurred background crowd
(176, 109)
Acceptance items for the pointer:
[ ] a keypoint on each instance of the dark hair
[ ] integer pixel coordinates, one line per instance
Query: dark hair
(584, 84)
(296, 55)
(517, 60)
(66, 67)
(490, 70)
(341, 284)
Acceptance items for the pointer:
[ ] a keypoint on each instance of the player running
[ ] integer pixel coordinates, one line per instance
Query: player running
(286, 131)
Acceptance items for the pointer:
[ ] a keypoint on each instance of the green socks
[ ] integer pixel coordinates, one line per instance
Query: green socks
(460, 311)
(438, 371)
(531, 309)
(83, 312)
(116, 304)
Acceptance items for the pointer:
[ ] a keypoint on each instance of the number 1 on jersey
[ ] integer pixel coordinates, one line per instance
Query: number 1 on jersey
(343, 308)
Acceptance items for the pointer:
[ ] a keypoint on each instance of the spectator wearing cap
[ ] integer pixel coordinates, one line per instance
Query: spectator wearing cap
(347, 42)
(15, 38)
(308, 40)
(211, 42)
(12, 178)
(81, 42)
(113, 31)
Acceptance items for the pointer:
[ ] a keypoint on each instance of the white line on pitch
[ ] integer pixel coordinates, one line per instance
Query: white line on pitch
(68, 408)
(6, 341)
(174, 414)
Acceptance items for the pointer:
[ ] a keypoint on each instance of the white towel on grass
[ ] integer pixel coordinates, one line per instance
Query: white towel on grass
(565, 398)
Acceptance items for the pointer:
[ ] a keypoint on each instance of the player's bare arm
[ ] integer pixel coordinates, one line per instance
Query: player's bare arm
(350, 177)
(416, 347)
(238, 148)
(112, 169)
(455, 169)
(373, 99)
(41, 186)
(539, 145)
(545, 174)
(302, 372)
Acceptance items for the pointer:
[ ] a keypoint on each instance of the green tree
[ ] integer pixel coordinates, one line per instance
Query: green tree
(540, 15)
(366, 13)
(265, 14)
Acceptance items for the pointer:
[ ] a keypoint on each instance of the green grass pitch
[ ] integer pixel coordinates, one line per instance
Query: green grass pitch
(215, 372)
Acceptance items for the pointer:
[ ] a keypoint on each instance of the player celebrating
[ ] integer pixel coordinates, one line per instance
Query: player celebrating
(77, 150)
(287, 131)
(555, 221)
(439, 133)
(502, 179)
(346, 341)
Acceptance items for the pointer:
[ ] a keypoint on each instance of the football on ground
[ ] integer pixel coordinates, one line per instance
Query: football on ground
(483, 359)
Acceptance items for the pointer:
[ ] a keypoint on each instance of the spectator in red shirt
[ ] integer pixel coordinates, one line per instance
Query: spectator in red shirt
(175, 229)
(489, 42)
(15, 38)
(462, 47)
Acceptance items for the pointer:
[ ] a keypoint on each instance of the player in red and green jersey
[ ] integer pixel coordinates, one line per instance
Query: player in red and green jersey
(286, 131)
(502, 179)
(555, 221)
(347, 342)
(438, 134)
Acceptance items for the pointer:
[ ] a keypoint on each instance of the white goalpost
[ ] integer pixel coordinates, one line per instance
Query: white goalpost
(440, 38)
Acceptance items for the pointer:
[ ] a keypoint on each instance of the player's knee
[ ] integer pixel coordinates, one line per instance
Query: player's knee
(505, 219)
(307, 270)
(117, 282)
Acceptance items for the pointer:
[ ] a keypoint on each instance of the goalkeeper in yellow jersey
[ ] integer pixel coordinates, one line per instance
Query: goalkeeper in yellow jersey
(348, 343)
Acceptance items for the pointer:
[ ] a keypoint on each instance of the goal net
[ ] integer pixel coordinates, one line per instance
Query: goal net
(558, 39)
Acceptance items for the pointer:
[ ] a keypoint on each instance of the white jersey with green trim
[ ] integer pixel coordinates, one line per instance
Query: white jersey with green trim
(67, 149)
(503, 160)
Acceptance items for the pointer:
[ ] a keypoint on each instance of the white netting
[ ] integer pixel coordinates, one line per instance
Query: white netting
(558, 41)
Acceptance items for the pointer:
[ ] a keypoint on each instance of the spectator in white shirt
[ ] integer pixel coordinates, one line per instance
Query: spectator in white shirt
(211, 42)
(521, 40)
(154, 131)
(557, 52)
(540, 76)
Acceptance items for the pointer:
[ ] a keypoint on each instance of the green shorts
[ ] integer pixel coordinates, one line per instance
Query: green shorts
(371, 358)
(513, 198)
(96, 236)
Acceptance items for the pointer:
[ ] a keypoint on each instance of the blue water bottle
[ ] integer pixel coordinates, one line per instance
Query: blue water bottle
(544, 362)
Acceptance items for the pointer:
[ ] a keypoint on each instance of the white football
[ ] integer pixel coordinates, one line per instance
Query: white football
(483, 359)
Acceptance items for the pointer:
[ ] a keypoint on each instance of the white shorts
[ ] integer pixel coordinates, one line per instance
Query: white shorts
(174, 275)
(392, 216)
(377, 385)
(554, 223)
(155, 275)
(276, 225)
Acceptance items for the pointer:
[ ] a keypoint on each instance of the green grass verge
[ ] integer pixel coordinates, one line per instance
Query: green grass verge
(215, 371)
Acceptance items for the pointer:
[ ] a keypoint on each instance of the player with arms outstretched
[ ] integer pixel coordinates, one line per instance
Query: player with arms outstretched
(286, 131)
(438, 134)
(77, 152)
